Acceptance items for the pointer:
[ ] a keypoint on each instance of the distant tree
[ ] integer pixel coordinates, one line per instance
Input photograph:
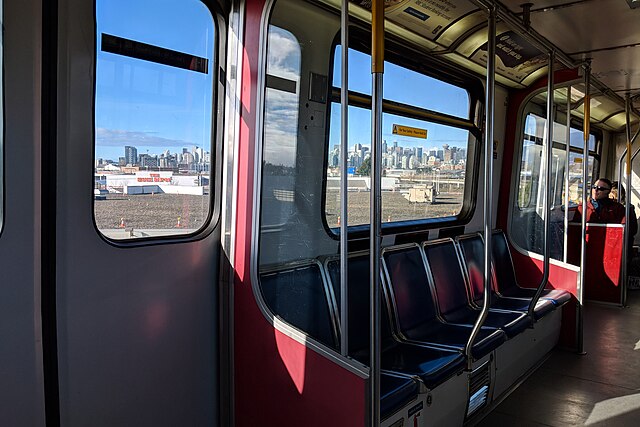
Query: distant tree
(278, 170)
(365, 167)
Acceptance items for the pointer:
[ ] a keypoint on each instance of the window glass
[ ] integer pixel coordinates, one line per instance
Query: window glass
(527, 226)
(281, 127)
(424, 164)
(422, 91)
(421, 178)
(153, 117)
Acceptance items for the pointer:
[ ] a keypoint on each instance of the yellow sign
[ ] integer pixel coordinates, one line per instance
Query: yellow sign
(409, 131)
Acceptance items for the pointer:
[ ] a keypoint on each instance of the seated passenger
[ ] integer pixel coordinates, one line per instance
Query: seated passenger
(600, 208)
(618, 195)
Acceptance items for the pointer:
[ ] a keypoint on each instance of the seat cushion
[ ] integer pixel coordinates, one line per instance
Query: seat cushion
(542, 308)
(456, 336)
(511, 322)
(395, 392)
(559, 297)
(433, 366)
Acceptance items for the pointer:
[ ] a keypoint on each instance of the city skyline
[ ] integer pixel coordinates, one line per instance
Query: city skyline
(399, 157)
(147, 104)
(196, 159)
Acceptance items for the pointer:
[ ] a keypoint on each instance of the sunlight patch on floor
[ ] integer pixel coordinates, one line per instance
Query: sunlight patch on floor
(610, 409)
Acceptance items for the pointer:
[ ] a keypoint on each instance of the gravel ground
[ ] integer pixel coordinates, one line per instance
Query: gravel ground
(157, 211)
(395, 207)
(161, 211)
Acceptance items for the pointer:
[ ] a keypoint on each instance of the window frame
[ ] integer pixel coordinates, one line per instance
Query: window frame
(218, 87)
(401, 55)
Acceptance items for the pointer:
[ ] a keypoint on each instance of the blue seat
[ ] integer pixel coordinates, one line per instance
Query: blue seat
(472, 250)
(395, 392)
(432, 365)
(453, 296)
(298, 296)
(506, 278)
(415, 308)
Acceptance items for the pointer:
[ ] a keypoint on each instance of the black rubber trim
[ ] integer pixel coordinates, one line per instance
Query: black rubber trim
(48, 202)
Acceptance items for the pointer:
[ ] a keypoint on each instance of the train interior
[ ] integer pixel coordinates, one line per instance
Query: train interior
(220, 267)
(432, 202)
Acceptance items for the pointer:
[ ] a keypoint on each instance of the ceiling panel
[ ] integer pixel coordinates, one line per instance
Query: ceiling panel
(618, 69)
(588, 25)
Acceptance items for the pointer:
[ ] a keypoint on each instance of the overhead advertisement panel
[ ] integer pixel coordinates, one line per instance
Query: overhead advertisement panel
(428, 18)
(516, 58)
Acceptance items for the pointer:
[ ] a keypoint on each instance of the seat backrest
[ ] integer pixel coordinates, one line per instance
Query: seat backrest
(447, 274)
(358, 303)
(502, 262)
(298, 296)
(409, 285)
(472, 251)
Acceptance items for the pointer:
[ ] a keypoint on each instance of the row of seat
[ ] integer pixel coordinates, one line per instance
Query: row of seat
(433, 293)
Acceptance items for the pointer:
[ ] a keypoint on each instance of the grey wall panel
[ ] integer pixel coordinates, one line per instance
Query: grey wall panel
(137, 326)
(21, 375)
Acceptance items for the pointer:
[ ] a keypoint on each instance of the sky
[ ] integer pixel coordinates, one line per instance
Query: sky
(405, 86)
(151, 106)
(401, 85)
(155, 107)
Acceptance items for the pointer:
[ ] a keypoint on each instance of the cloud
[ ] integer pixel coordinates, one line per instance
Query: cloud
(284, 54)
(281, 128)
(120, 138)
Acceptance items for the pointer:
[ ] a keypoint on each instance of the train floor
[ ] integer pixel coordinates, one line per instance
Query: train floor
(601, 388)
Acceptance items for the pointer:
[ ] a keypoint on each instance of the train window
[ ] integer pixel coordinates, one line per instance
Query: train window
(154, 101)
(281, 126)
(424, 156)
(526, 219)
(427, 159)
(424, 92)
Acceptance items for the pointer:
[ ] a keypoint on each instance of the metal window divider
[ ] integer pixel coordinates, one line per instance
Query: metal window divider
(488, 180)
(344, 185)
(547, 182)
(566, 176)
(627, 204)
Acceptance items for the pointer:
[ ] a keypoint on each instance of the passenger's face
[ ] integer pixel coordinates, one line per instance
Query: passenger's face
(600, 190)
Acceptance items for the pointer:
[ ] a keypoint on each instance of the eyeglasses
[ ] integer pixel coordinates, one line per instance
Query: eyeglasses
(595, 187)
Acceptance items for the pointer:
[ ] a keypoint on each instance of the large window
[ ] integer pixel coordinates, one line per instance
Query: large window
(154, 101)
(427, 136)
(527, 216)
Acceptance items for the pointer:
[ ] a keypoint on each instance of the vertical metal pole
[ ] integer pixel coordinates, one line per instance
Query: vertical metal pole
(344, 184)
(567, 181)
(547, 182)
(627, 205)
(488, 180)
(623, 157)
(585, 195)
(375, 236)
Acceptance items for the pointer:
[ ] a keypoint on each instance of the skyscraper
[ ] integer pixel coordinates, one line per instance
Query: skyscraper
(130, 155)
